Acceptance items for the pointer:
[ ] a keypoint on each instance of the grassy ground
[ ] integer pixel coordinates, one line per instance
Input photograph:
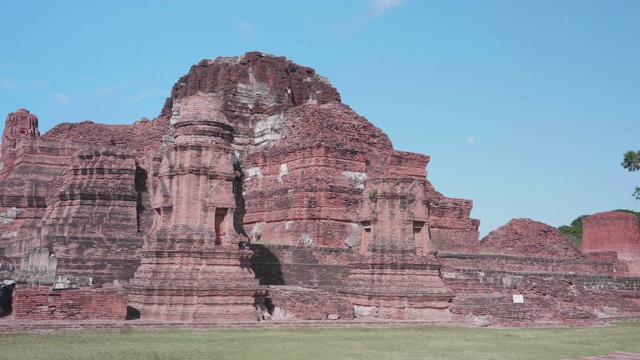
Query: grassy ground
(307, 344)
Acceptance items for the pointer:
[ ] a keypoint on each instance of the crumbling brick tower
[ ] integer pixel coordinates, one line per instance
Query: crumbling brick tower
(20, 124)
(192, 266)
(613, 231)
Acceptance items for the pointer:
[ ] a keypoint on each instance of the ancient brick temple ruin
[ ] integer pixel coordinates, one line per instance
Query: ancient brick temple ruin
(257, 194)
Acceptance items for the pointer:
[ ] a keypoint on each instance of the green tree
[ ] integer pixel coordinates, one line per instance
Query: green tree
(573, 232)
(631, 162)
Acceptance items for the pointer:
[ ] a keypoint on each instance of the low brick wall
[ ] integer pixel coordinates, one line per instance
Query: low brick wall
(476, 281)
(526, 264)
(44, 303)
(318, 267)
(484, 297)
(308, 304)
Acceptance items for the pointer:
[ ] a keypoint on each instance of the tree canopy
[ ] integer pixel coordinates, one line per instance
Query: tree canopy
(573, 232)
(631, 162)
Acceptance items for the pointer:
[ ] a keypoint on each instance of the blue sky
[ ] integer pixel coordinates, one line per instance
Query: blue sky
(525, 107)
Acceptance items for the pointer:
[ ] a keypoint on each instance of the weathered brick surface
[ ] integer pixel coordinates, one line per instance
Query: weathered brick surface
(613, 231)
(19, 125)
(22, 206)
(279, 84)
(396, 285)
(528, 263)
(44, 303)
(450, 225)
(384, 285)
(525, 237)
(91, 225)
(486, 298)
(193, 267)
(395, 210)
(308, 304)
(325, 268)
(43, 160)
(36, 176)
(30, 170)
(142, 136)
(314, 186)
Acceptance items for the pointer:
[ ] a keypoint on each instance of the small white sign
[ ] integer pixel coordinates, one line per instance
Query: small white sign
(518, 299)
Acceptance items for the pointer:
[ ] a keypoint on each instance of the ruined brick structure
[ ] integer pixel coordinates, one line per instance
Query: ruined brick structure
(613, 231)
(258, 194)
(193, 265)
(20, 125)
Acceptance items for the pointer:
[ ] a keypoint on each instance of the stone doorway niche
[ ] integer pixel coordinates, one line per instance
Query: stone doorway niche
(417, 236)
(219, 224)
(366, 236)
(6, 298)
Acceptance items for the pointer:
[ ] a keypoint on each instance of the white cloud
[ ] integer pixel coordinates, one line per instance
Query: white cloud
(471, 140)
(382, 6)
(246, 30)
(145, 95)
(38, 84)
(376, 9)
(112, 89)
(245, 26)
(62, 97)
(7, 83)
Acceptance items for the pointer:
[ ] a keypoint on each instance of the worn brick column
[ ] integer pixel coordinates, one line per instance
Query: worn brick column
(19, 125)
(192, 266)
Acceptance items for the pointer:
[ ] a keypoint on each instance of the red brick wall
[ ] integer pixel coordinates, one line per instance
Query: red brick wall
(44, 303)
(529, 263)
(310, 304)
(614, 231)
(611, 231)
(451, 228)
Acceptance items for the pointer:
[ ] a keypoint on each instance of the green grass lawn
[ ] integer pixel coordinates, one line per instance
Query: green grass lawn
(358, 343)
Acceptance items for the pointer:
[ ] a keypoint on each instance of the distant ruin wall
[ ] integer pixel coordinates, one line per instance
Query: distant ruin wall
(611, 231)
(614, 231)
